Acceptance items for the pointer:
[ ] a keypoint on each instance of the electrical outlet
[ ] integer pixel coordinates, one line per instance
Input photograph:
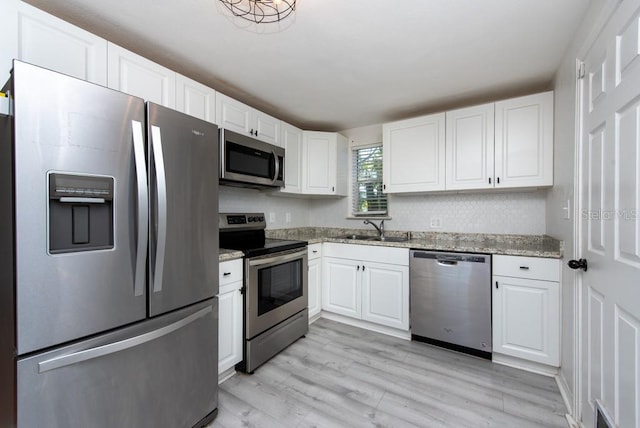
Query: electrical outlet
(436, 222)
(272, 217)
(287, 217)
(567, 210)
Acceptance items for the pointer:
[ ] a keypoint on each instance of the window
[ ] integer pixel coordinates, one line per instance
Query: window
(367, 196)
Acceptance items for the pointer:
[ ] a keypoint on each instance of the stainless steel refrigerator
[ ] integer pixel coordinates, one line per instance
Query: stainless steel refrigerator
(108, 258)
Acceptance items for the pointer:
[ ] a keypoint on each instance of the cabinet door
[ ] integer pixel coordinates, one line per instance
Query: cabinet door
(291, 141)
(265, 127)
(315, 284)
(469, 148)
(319, 163)
(414, 154)
(229, 326)
(526, 319)
(524, 141)
(52, 43)
(341, 290)
(385, 294)
(136, 75)
(195, 99)
(232, 114)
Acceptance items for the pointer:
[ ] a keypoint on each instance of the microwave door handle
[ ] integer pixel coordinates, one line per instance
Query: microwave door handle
(158, 160)
(277, 168)
(143, 207)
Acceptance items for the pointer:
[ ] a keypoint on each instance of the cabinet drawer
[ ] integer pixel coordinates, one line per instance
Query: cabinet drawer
(230, 271)
(315, 251)
(527, 267)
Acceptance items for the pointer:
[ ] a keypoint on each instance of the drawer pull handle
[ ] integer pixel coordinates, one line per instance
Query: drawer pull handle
(524, 267)
(226, 274)
(314, 251)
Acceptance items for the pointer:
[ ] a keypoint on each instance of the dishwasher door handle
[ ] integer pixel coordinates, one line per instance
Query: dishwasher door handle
(447, 263)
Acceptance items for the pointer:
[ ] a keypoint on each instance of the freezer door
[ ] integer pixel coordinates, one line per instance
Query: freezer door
(79, 157)
(161, 372)
(183, 178)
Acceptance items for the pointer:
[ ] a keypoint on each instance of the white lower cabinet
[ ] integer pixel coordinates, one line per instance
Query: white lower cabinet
(526, 309)
(366, 287)
(315, 280)
(230, 315)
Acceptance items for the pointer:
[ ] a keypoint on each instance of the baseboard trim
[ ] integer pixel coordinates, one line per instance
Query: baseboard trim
(566, 393)
(367, 325)
(226, 375)
(528, 366)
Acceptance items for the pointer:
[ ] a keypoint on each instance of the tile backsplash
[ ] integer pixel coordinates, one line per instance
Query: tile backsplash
(502, 213)
(520, 212)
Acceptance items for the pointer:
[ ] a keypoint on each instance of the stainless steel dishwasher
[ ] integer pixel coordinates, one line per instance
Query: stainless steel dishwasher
(451, 300)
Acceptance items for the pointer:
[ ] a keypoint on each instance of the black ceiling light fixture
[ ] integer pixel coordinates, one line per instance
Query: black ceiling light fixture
(261, 11)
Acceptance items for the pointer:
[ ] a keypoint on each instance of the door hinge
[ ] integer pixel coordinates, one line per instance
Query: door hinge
(581, 71)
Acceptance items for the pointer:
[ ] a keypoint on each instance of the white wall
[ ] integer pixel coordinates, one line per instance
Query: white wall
(234, 199)
(563, 189)
(472, 212)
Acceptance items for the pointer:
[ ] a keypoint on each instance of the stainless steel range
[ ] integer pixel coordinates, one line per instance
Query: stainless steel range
(275, 287)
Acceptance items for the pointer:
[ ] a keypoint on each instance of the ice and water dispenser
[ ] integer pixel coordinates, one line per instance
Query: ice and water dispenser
(80, 213)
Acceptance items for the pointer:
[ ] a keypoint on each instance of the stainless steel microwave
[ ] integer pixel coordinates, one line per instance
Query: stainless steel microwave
(247, 162)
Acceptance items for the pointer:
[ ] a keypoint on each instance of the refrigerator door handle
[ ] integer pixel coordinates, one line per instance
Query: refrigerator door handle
(143, 207)
(112, 348)
(158, 160)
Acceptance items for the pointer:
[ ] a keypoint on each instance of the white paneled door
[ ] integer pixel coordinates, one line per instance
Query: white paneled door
(609, 169)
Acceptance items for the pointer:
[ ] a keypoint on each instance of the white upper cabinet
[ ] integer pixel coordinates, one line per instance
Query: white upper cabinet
(470, 148)
(136, 75)
(195, 99)
(324, 170)
(238, 117)
(414, 154)
(36, 37)
(291, 141)
(524, 141)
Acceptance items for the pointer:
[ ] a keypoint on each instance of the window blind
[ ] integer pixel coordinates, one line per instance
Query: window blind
(367, 196)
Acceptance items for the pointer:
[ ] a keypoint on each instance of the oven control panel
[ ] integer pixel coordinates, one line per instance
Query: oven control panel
(241, 221)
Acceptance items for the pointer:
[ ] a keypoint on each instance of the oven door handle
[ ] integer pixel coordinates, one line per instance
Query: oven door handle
(277, 259)
(276, 162)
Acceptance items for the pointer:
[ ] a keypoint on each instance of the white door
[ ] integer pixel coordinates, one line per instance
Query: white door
(195, 99)
(414, 154)
(341, 290)
(52, 43)
(229, 326)
(385, 294)
(524, 141)
(315, 282)
(609, 200)
(135, 75)
(469, 147)
(526, 319)
(267, 128)
(291, 141)
(320, 163)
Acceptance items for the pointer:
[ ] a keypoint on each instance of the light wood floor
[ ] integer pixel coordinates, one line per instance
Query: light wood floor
(343, 376)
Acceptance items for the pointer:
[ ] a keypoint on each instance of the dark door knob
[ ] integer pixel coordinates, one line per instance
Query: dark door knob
(578, 264)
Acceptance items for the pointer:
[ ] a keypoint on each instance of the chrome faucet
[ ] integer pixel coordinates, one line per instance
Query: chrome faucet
(380, 228)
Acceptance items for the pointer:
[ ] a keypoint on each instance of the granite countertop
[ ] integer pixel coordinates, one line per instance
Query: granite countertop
(513, 245)
(225, 255)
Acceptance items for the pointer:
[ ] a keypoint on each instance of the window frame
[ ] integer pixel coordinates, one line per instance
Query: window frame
(353, 192)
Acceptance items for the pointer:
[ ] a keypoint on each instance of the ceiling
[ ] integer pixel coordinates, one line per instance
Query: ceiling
(339, 64)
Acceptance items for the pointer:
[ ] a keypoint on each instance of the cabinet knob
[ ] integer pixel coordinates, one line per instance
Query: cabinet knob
(578, 264)
(489, 180)
(333, 189)
(358, 268)
(498, 180)
(524, 267)
(226, 274)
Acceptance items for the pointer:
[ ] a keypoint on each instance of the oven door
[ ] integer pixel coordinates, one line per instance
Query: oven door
(276, 289)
